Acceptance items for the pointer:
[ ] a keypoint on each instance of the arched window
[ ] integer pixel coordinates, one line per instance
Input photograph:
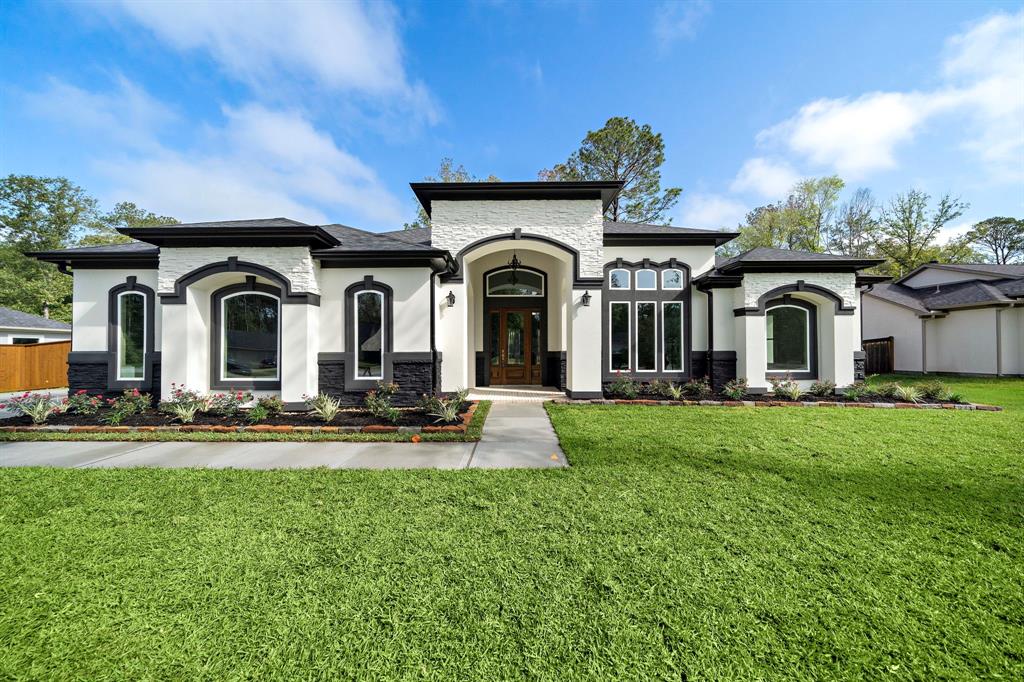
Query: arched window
(672, 279)
(247, 337)
(517, 282)
(131, 336)
(618, 279)
(790, 337)
(646, 280)
(369, 334)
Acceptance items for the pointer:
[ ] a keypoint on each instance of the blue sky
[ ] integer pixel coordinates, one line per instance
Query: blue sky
(324, 112)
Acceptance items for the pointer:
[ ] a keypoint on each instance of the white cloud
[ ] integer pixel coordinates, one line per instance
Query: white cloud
(679, 20)
(349, 47)
(984, 86)
(711, 212)
(768, 178)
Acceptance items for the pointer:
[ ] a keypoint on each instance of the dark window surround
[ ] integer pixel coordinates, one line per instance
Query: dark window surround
(487, 281)
(216, 332)
(656, 296)
(232, 264)
(812, 323)
(492, 303)
(131, 284)
(353, 383)
(800, 287)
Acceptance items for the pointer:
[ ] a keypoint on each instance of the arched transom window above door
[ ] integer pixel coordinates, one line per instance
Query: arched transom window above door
(518, 282)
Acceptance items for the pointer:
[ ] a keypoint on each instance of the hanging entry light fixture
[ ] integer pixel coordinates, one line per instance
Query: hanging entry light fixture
(514, 266)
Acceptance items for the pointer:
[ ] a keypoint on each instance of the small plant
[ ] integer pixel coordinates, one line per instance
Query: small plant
(933, 390)
(856, 392)
(908, 394)
(735, 389)
(257, 413)
(446, 409)
(378, 402)
(785, 387)
(183, 412)
(887, 390)
(698, 389)
(953, 397)
(130, 402)
(324, 406)
(228, 404)
(83, 403)
(272, 404)
(184, 404)
(37, 406)
(824, 388)
(624, 387)
(673, 391)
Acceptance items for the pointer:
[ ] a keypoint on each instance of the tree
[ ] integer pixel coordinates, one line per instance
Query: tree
(855, 223)
(125, 214)
(814, 201)
(38, 214)
(634, 154)
(772, 226)
(907, 230)
(446, 172)
(1002, 239)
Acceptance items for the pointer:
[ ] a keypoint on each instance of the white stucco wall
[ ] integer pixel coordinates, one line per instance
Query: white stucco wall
(883, 319)
(574, 222)
(963, 342)
(1013, 341)
(7, 335)
(89, 314)
(293, 262)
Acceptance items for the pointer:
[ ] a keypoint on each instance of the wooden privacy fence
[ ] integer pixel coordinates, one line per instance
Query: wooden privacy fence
(879, 355)
(26, 367)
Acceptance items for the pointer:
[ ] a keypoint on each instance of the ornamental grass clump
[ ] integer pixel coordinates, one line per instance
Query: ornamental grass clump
(378, 402)
(824, 388)
(184, 404)
(445, 409)
(672, 391)
(37, 406)
(735, 389)
(907, 394)
(785, 387)
(324, 406)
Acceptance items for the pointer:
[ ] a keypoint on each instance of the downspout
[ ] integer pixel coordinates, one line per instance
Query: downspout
(433, 344)
(711, 337)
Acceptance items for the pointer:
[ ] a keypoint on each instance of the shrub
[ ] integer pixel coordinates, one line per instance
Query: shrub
(228, 404)
(257, 413)
(130, 402)
(272, 404)
(378, 402)
(825, 388)
(887, 390)
(933, 390)
(624, 387)
(83, 403)
(38, 406)
(698, 389)
(785, 387)
(446, 409)
(323, 406)
(953, 397)
(908, 394)
(184, 404)
(735, 389)
(673, 391)
(856, 392)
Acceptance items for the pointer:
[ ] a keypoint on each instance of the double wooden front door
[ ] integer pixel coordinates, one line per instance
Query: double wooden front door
(515, 346)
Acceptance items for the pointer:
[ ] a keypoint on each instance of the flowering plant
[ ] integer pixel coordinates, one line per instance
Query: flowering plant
(38, 406)
(83, 403)
(130, 402)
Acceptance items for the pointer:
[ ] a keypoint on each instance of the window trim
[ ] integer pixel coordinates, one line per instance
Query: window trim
(120, 336)
(222, 360)
(354, 384)
(543, 284)
(637, 278)
(682, 338)
(218, 340)
(682, 279)
(629, 280)
(150, 355)
(355, 334)
(629, 335)
(810, 310)
(636, 338)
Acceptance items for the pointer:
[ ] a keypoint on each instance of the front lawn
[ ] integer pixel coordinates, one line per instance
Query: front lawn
(683, 543)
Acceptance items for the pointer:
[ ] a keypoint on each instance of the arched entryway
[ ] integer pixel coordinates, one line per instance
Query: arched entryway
(515, 325)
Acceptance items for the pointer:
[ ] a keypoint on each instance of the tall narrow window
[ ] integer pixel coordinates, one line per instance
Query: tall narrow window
(131, 336)
(672, 336)
(619, 333)
(249, 337)
(789, 338)
(646, 337)
(646, 279)
(618, 279)
(369, 331)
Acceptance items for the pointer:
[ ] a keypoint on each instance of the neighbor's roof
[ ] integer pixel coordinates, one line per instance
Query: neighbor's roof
(942, 297)
(976, 268)
(18, 320)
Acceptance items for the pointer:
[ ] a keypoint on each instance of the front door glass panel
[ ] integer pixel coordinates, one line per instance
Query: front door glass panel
(516, 335)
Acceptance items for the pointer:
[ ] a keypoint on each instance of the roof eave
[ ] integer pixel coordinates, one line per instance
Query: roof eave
(427, 192)
(662, 239)
(312, 236)
(837, 265)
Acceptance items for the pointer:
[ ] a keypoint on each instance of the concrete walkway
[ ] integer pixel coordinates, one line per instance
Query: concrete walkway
(515, 436)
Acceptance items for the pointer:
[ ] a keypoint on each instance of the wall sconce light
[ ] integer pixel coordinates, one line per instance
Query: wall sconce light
(451, 299)
(585, 299)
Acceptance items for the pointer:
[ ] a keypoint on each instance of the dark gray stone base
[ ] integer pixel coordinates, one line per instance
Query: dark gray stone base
(722, 369)
(88, 376)
(91, 371)
(414, 378)
(859, 358)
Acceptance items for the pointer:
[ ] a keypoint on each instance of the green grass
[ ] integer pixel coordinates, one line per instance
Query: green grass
(683, 543)
(1008, 393)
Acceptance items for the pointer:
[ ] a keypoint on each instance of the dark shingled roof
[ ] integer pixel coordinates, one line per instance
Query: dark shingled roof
(18, 319)
(417, 235)
(973, 292)
(763, 254)
(127, 247)
(622, 227)
(354, 239)
(252, 222)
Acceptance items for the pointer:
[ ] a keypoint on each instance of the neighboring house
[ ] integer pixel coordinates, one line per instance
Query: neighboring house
(19, 327)
(963, 319)
(515, 283)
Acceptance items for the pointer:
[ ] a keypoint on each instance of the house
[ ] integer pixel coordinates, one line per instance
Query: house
(514, 283)
(955, 318)
(18, 328)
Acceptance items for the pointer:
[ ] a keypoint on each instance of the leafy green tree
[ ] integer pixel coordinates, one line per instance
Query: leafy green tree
(39, 214)
(855, 223)
(446, 172)
(1001, 239)
(907, 231)
(103, 230)
(814, 202)
(634, 154)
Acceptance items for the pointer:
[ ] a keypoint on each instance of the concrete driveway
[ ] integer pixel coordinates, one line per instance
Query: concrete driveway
(516, 436)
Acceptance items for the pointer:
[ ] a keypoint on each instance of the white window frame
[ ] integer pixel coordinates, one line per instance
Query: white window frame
(682, 337)
(629, 334)
(487, 285)
(355, 335)
(636, 339)
(223, 359)
(637, 276)
(807, 339)
(629, 280)
(682, 280)
(120, 335)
